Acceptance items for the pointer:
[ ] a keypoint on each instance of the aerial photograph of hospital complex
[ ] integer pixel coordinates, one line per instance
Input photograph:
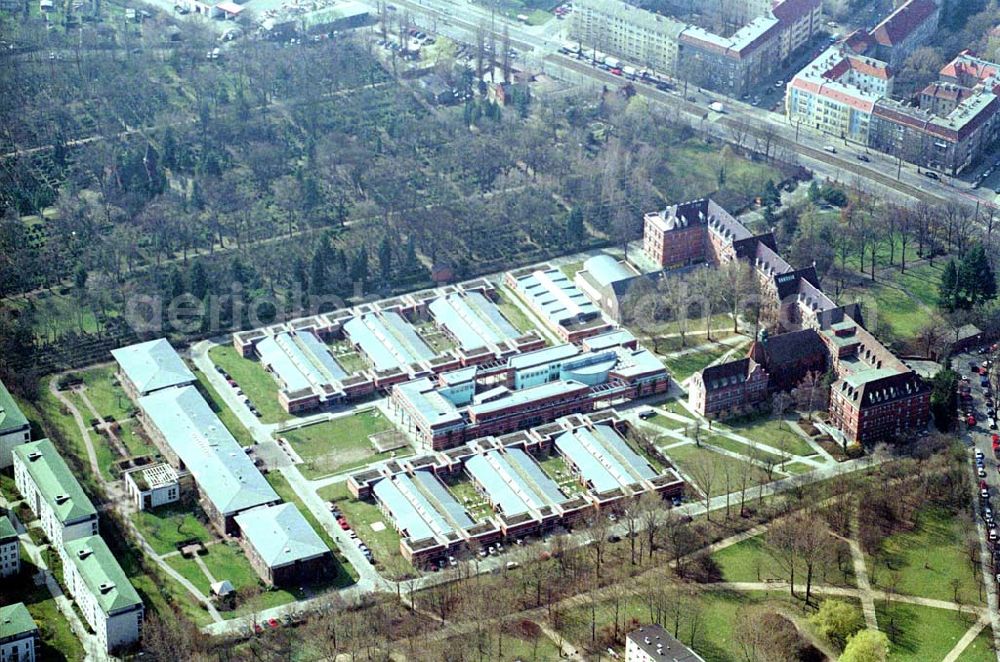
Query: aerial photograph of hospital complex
(468, 331)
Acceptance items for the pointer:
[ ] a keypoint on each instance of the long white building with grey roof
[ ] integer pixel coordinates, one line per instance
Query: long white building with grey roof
(282, 546)
(192, 437)
(150, 366)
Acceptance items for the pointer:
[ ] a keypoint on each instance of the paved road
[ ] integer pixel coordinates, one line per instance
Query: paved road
(980, 438)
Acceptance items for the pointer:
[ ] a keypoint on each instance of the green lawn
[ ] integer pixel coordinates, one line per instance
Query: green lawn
(555, 468)
(361, 515)
(922, 281)
(929, 559)
(228, 561)
(133, 436)
(981, 648)
(796, 468)
(743, 449)
(688, 458)
(752, 560)
(769, 430)
(256, 383)
(474, 502)
(348, 358)
(888, 304)
(682, 367)
(539, 649)
(104, 392)
(102, 447)
(189, 570)
(571, 268)
(60, 426)
(222, 410)
(339, 444)
(667, 423)
(511, 311)
(56, 639)
(165, 527)
(919, 634)
(346, 574)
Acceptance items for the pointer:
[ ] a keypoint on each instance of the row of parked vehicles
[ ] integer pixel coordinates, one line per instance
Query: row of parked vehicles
(346, 527)
(239, 392)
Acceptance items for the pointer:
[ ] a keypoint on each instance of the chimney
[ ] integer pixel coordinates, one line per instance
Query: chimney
(106, 587)
(83, 553)
(34, 455)
(61, 499)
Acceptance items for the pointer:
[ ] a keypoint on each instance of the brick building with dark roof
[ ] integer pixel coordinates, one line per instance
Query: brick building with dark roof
(728, 389)
(876, 396)
(789, 357)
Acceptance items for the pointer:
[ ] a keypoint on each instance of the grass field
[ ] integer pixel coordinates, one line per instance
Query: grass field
(225, 414)
(889, 305)
(922, 281)
(474, 502)
(59, 425)
(346, 574)
(919, 634)
(980, 650)
(361, 515)
(753, 561)
(257, 385)
(104, 392)
(743, 449)
(667, 423)
(131, 434)
(689, 458)
(773, 432)
(165, 527)
(513, 313)
(339, 444)
(348, 358)
(571, 268)
(928, 559)
(555, 468)
(682, 367)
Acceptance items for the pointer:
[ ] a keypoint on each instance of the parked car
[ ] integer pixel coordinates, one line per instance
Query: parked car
(863, 157)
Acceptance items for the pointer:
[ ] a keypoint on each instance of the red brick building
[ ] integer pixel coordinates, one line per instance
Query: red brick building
(728, 389)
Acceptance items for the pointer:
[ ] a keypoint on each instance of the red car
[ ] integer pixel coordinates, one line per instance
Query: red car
(257, 628)
(273, 623)
(971, 421)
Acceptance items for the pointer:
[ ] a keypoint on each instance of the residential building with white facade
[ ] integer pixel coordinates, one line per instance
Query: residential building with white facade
(18, 634)
(150, 366)
(10, 549)
(652, 643)
(14, 427)
(53, 493)
(103, 592)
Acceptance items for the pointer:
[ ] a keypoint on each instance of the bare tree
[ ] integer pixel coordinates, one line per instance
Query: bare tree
(704, 470)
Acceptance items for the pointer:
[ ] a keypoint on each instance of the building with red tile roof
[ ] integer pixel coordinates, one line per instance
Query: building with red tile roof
(902, 31)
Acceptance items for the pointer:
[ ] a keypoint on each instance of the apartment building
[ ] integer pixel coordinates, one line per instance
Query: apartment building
(18, 634)
(153, 486)
(10, 549)
(53, 493)
(14, 427)
(733, 62)
(911, 25)
(99, 586)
